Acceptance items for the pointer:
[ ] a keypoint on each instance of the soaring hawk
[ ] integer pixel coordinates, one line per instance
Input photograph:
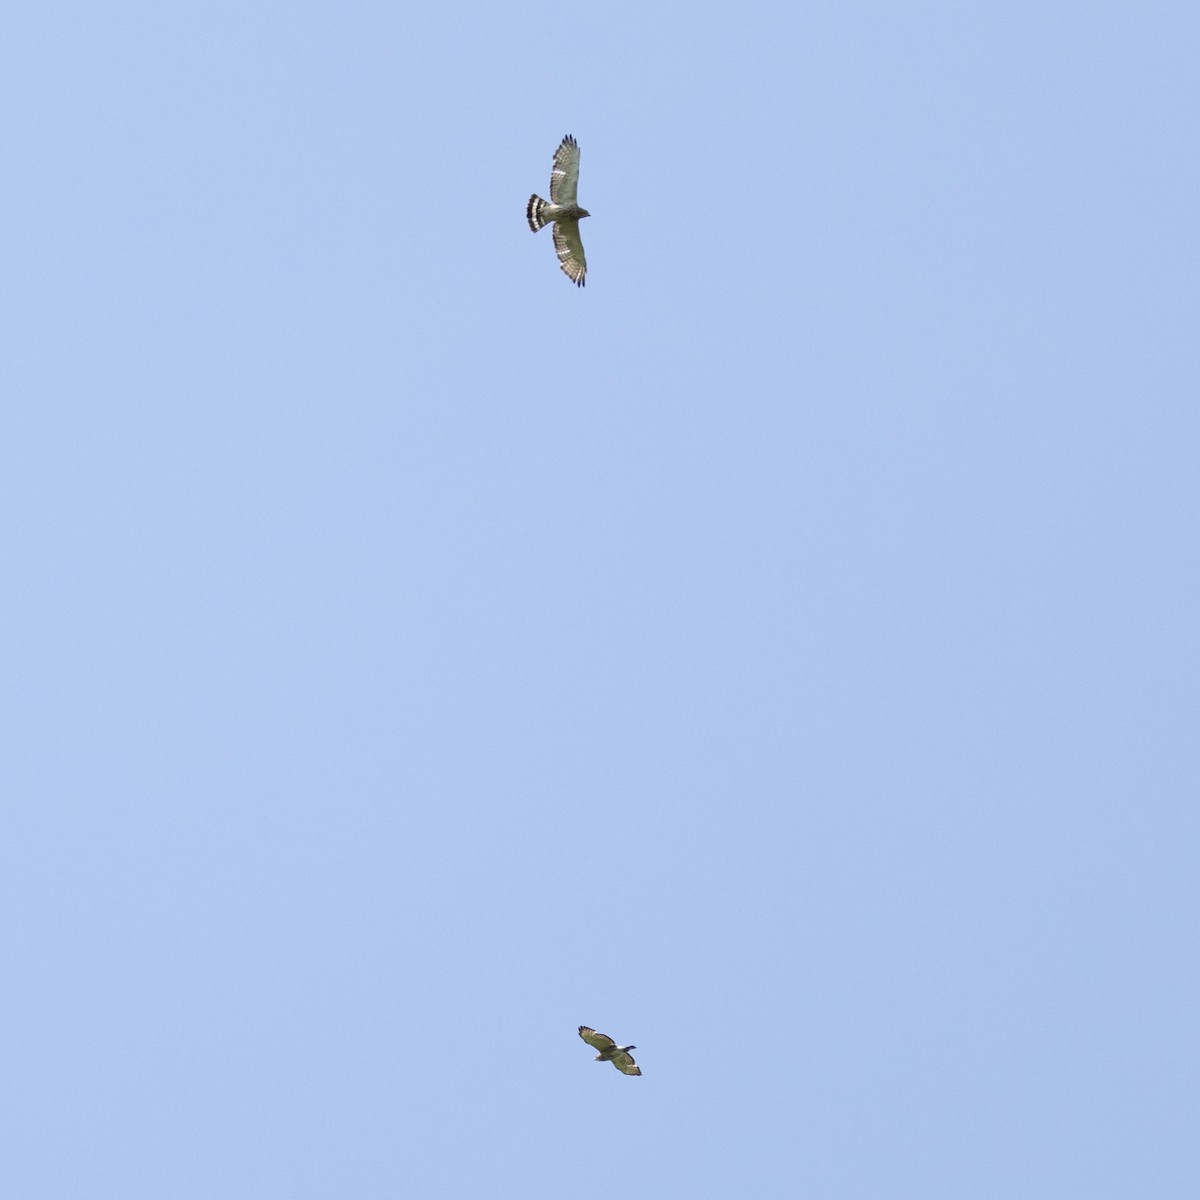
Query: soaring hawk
(619, 1056)
(563, 210)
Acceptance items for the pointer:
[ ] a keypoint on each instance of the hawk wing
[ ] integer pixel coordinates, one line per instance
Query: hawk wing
(564, 175)
(624, 1063)
(569, 249)
(601, 1041)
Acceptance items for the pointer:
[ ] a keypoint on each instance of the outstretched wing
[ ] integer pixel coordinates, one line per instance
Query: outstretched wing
(569, 249)
(624, 1063)
(564, 175)
(601, 1041)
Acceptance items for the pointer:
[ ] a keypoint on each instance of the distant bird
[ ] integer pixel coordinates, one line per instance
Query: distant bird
(563, 210)
(619, 1056)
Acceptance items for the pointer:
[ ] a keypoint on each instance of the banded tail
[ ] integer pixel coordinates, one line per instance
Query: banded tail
(534, 210)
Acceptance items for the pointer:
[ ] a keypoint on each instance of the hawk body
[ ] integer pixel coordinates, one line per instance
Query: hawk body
(619, 1056)
(563, 210)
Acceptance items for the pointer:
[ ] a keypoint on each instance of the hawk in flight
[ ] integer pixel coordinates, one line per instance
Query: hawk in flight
(619, 1056)
(563, 210)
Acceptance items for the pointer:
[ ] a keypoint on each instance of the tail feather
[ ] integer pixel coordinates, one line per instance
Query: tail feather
(533, 212)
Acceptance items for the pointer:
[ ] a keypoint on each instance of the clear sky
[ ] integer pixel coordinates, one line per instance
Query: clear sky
(781, 654)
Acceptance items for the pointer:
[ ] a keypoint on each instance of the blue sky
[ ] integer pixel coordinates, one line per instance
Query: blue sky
(781, 654)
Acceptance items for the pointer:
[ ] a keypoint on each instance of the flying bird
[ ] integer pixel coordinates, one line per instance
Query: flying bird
(563, 209)
(619, 1056)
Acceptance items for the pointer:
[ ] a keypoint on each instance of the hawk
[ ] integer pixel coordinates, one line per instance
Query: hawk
(563, 210)
(619, 1056)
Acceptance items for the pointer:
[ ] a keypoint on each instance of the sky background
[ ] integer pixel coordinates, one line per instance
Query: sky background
(781, 654)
